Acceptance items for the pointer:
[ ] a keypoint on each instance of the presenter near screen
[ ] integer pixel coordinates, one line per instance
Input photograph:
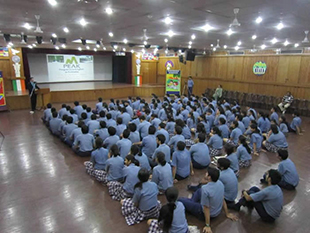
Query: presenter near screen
(190, 85)
(32, 88)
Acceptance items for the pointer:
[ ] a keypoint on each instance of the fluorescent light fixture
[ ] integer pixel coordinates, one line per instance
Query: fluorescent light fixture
(207, 28)
(190, 42)
(30, 46)
(83, 22)
(286, 43)
(274, 40)
(296, 45)
(56, 47)
(63, 46)
(145, 42)
(125, 41)
(225, 46)
(229, 32)
(166, 40)
(236, 47)
(108, 10)
(239, 43)
(111, 34)
(95, 49)
(168, 20)
(280, 26)
(79, 48)
(263, 46)
(54, 35)
(258, 20)
(170, 33)
(254, 37)
(193, 37)
(52, 2)
(66, 30)
(87, 47)
(27, 26)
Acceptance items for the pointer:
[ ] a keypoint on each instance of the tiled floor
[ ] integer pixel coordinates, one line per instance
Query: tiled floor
(44, 187)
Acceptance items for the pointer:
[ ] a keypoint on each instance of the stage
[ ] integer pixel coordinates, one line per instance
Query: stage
(80, 91)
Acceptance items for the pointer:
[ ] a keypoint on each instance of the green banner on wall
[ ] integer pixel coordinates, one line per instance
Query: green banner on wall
(173, 82)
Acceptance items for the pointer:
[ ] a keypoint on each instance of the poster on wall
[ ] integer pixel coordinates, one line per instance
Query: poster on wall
(4, 52)
(259, 68)
(3, 106)
(173, 82)
(149, 56)
(66, 68)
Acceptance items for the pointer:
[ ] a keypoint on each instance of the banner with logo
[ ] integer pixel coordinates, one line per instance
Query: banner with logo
(3, 106)
(63, 67)
(259, 68)
(173, 82)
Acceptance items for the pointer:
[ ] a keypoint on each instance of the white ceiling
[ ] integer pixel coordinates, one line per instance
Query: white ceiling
(130, 17)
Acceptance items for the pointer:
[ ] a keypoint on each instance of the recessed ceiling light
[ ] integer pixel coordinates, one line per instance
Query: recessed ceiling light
(124, 49)
(87, 47)
(66, 30)
(207, 27)
(236, 47)
(254, 37)
(239, 43)
(259, 20)
(95, 49)
(170, 33)
(286, 43)
(280, 26)
(125, 41)
(193, 37)
(145, 42)
(229, 32)
(274, 40)
(27, 26)
(113, 50)
(190, 42)
(189, 46)
(34, 45)
(83, 22)
(168, 20)
(296, 45)
(98, 46)
(54, 35)
(225, 46)
(132, 51)
(79, 48)
(211, 45)
(52, 2)
(263, 46)
(110, 34)
(115, 46)
(108, 10)
(166, 40)
(166, 51)
(63, 46)
(180, 51)
(30, 46)
(56, 47)
(214, 49)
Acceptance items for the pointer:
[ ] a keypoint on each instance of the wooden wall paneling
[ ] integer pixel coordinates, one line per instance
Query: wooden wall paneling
(283, 69)
(199, 66)
(235, 68)
(222, 67)
(18, 102)
(304, 74)
(293, 69)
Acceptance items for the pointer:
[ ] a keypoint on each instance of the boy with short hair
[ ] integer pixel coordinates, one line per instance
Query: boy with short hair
(176, 138)
(78, 109)
(120, 127)
(296, 123)
(54, 124)
(103, 131)
(162, 147)
(67, 130)
(163, 131)
(110, 122)
(47, 113)
(124, 144)
(84, 144)
(112, 139)
(93, 124)
(134, 134)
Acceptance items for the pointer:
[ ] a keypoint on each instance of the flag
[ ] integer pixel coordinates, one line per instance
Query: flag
(19, 85)
(138, 80)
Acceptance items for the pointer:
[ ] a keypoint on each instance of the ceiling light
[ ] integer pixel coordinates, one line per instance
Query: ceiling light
(263, 46)
(30, 46)
(237, 47)
(108, 10)
(274, 40)
(145, 42)
(115, 46)
(193, 37)
(166, 51)
(286, 43)
(132, 51)
(214, 49)
(143, 51)
(125, 41)
(98, 46)
(166, 40)
(83, 22)
(110, 34)
(170, 33)
(211, 45)
(207, 27)
(280, 26)
(306, 40)
(27, 26)
(168, 20)
(56, 47)
(34, 45)
(104, 48)
(239, 43)
(124, 49)
(95, 49)
(63, 46)
(225, 46)
(218, 44)
(190, 42)
(66, 30)
(79, 48)
(229, 32)
(87, 47)
(113, 50)
(259, 20)
(235, 22)
(54, 35)
(189, 46)
(296, 45)
(180, 51)
(52, 2)
(254, 37)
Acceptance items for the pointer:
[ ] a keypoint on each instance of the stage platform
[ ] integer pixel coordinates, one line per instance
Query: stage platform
(86, 91)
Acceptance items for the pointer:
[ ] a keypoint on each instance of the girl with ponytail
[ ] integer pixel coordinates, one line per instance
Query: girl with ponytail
(172, 217)
(119, 191)
(162, 173)
(141, 157)
(215, 143)
(144, 203)
(244, 152)
(256, 139)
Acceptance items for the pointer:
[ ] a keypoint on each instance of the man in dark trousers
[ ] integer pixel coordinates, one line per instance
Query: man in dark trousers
(32, 88)
(190, 85)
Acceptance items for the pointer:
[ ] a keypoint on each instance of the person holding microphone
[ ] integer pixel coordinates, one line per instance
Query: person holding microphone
(32, 88)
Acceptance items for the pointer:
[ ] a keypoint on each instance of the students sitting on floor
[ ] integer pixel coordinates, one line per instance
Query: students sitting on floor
(47, 114)
(148, 143)
(172, 217)
(78, 109)
(112, 139)
(98, 160)
(110, 121)
(67, 130)
(162, 147)
(102, 116)
(144, 204)
(84, 117)
(126, 118)
(181, 164)
(200, 153)
(102, 132)
(124, 144)
(93, 124)
(235, 134)
(268, 202)
(262, 122)
(208, 201)
(256, 139)
(229, 180)
(84, 144)
(141, 157)
(223, 128)
(62, 111)
(99, 106)
(287, 169)
(76, 132)
(120, 126)
(178, 137)
(232, 157)
(162, 174)
(276, 140)
(119, 191)
(134, 134)
(163, 131)
(284, 126)
(244, 153)
(296, 123)
(215, 143)
(54, 124)
(88, 112)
